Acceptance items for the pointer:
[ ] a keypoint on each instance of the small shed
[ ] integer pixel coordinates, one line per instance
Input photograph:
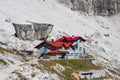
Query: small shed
(88, 73)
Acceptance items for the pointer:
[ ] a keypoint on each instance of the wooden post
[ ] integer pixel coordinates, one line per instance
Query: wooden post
(90, 76)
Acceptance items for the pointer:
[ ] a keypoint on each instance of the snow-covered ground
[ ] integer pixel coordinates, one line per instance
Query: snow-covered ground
(16, 69)
(103, 33)
(96, 73)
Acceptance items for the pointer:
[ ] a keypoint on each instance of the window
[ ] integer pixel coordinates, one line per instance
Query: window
(80, 48)
(76, 46)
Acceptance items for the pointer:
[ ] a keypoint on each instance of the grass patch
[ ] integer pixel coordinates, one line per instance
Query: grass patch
(75, 65)
(19, 75)
(3, 62)
(11, 61)
(33, 75)
(67, 74)
(36, 66)
(3, 50)
(14, 52)
(84, 78)
(114, 72)
(101, 78)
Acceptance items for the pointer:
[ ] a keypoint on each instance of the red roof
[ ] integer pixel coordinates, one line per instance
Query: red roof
(60, 40)
(79, 37)
(65, 39)
(55, 44)
(57, 52)
(70, 39)
(66, 45)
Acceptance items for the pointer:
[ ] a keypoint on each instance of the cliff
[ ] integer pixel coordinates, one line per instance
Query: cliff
(96, 7)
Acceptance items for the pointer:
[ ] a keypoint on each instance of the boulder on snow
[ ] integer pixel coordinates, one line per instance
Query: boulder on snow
(8, 20)
(107, 35)
(34, 31)
(3, 39)
(60, 67)
(75, 75)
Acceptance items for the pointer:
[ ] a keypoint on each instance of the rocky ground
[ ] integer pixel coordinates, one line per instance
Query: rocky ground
(102, 33)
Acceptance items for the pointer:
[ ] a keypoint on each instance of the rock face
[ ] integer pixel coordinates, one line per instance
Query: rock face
(106, 7)
(96, 7)
(34, 31)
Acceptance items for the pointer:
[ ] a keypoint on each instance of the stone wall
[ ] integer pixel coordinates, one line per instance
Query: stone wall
(96, 7)
(34, 31)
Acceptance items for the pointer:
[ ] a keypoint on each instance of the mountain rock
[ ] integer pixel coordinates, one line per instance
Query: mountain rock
(96, 7)
(35, 31)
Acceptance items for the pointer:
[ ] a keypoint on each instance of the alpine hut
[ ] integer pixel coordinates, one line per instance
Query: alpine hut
(53, 49)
